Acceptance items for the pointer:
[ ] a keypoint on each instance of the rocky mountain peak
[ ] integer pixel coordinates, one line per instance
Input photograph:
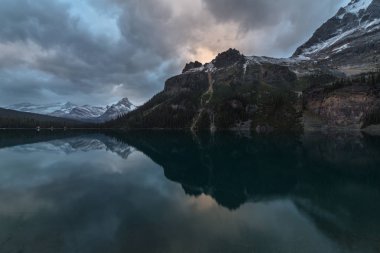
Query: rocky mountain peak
(228, 58)
(124, 101)
(116, 110)
(192, 65)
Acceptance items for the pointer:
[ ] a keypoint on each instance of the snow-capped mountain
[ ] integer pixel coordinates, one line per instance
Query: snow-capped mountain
(81, 112)
(73, 111)
(350, 35)
(46, 109)
(119, 109)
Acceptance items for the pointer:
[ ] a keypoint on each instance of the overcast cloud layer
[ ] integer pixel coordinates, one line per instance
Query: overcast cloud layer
(98, 51)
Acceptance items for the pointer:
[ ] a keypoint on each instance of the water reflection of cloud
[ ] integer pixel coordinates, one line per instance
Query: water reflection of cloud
(201, 203)
(24, 204)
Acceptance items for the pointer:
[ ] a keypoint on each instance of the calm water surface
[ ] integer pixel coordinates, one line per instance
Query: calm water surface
(175, 192)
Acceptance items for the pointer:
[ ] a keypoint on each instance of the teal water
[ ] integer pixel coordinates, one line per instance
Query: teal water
(176, 192)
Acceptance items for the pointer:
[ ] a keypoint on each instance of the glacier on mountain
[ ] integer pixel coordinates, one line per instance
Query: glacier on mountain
(73, 111)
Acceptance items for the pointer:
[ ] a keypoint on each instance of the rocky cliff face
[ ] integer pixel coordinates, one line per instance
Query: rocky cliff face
(352, 106)
(187, 82)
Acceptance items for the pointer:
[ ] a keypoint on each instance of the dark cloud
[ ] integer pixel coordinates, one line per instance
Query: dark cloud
(99, 51)
(285, 24)
(44, 36)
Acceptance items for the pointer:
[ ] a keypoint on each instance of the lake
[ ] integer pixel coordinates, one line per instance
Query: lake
(168, 191)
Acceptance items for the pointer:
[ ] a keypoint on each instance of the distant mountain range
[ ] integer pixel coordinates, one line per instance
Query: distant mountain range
(87, 113)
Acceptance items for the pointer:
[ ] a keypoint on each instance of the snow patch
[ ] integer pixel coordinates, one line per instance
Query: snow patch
(339, 37)
(209, 67)
(355, 6)
(372, 23)
(341, 48)
(319, 47)
(200, 69)
(245, 68)
(302, 58)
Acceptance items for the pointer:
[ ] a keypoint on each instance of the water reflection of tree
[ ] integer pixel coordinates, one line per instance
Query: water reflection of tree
(234, 169)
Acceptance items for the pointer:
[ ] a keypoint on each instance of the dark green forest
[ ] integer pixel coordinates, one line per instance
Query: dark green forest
(15, 119)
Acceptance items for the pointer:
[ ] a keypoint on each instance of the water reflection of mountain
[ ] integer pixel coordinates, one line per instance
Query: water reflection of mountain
(66, 142)
(234, 169)
(333, 179)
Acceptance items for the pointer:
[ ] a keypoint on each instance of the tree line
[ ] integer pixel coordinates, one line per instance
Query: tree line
(15, 119)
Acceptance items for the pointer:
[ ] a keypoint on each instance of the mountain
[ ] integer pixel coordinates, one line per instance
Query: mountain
(349, 40)
(231, 92)
(119, 109)
(65, 110)
(87, 113)
(43, 109)
(332, 81)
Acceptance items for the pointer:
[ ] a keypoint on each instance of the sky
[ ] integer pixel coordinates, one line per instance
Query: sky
(99, 51)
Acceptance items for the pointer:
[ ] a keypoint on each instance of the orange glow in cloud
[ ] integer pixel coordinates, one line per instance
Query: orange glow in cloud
(202, 202)
(204, 55)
